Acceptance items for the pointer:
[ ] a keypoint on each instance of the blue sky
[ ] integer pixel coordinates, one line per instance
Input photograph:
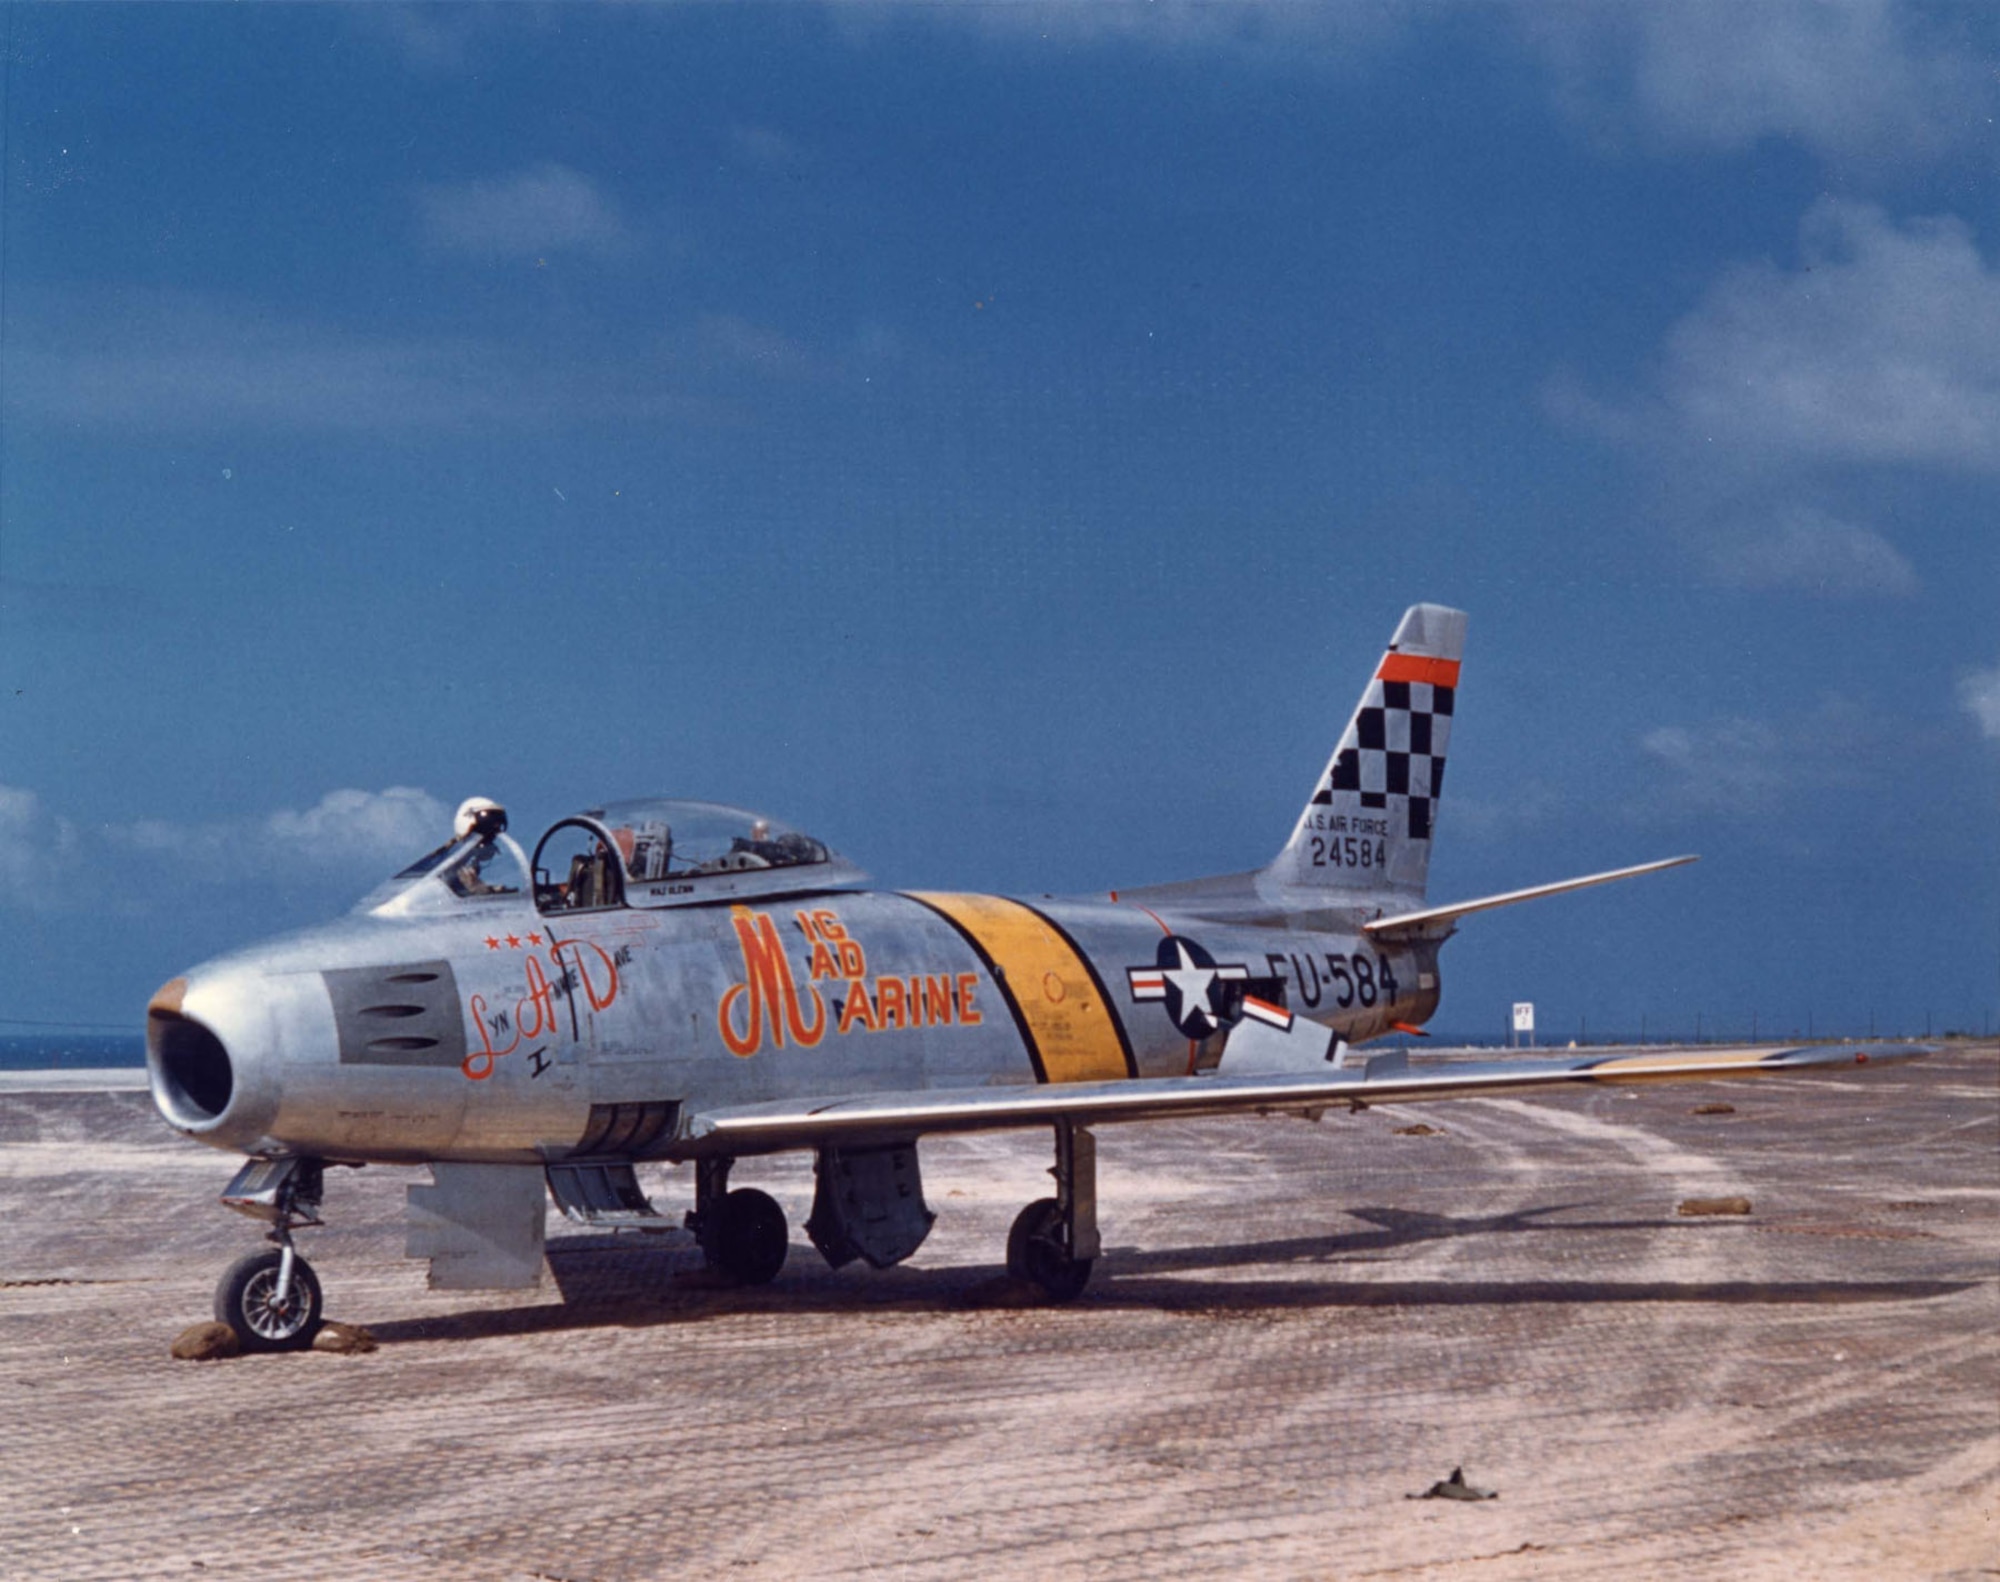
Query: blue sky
(1000, 439)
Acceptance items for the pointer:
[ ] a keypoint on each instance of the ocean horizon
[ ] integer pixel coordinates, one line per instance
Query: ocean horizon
(70, 1051)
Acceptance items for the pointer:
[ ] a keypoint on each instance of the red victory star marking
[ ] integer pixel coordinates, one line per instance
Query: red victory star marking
(534, 939)
(513, 941)
(492, 943)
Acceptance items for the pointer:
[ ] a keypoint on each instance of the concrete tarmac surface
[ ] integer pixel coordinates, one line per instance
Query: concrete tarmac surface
(1295, 1326)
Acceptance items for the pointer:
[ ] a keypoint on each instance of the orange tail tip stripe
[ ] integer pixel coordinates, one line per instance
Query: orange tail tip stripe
(1418, 667)
(1055, 997)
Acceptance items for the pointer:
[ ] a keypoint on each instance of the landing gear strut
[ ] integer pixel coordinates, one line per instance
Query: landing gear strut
(272, 1299)
(1054, 1240)
(742, 1233)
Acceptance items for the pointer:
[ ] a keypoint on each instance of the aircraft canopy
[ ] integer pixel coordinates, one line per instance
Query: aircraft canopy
(658, 839)
(664, 852)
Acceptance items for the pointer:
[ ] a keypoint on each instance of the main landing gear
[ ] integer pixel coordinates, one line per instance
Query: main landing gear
(741, 1233)
(1054, 1240)
(272, 1299)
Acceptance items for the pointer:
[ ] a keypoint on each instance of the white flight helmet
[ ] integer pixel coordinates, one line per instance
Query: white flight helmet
(478, 815)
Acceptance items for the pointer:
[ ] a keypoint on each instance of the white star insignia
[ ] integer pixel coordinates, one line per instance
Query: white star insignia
(1191, 983)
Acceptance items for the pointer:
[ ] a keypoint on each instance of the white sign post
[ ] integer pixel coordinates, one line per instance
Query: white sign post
(1524, 1021)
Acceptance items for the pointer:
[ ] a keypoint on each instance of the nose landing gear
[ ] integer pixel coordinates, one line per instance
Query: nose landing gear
(272, 1299)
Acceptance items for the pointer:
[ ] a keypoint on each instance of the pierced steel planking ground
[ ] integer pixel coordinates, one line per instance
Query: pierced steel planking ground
(1294, 1327)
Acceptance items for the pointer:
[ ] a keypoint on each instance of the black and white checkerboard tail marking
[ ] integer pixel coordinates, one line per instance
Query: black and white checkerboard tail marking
(1369, 824)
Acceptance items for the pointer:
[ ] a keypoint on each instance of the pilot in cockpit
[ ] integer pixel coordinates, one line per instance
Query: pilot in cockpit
(487, 819)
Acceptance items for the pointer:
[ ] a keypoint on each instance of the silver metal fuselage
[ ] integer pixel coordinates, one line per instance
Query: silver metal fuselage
(481, 1029)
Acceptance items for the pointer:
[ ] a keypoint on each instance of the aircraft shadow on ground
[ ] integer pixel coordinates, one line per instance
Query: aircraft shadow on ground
(619, 1282)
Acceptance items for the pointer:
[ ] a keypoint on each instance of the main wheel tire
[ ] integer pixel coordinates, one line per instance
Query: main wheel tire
(753, 1241)
(1035, 1252)
(244, 1301)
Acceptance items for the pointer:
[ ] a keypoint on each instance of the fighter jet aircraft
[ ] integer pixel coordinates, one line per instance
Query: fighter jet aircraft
(681, 981)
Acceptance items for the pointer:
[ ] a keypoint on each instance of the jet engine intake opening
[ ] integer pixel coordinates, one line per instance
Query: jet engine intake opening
(192, 1077)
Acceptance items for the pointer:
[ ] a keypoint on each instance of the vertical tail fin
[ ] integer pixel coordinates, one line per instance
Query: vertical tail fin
(1368, 826)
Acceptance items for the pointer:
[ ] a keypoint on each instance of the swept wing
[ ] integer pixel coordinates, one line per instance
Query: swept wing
(1383, 1080)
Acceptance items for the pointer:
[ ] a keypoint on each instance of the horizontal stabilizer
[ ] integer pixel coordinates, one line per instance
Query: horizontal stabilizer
(1431, 917)
(1383, 1080)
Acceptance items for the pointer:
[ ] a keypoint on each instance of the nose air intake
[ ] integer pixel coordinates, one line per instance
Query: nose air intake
(193, 1080)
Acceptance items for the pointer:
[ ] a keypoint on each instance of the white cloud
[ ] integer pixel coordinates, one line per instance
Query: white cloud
(1979, 695)
(1280, 31)
(162, 361)
(1530, 804)
(428, 38)
(1882, 346)
(1802, 548)
(545, 208)
(1876, 81)
(1745, 766)
(177, 361)
(191, 362)
(433, 40)
(1878, 353)
(1728, 763)
(348, 838)
(207, 844)
(35, 848)
(1275, 27)
(348, 827)
(724, 338)
(764, 146)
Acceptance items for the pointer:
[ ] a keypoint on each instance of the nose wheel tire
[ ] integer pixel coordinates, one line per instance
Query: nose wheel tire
(752, 1239)
(1037, 1252)
(247, 1301)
